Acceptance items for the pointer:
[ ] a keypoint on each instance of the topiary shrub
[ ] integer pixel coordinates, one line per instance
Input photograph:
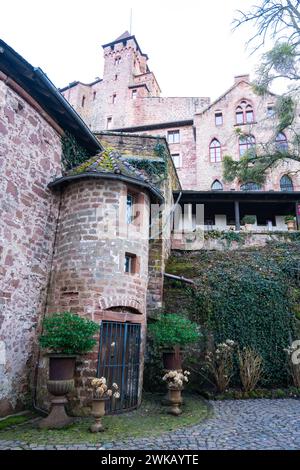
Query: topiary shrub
(68, 333)
(174, 330)
(249, 219)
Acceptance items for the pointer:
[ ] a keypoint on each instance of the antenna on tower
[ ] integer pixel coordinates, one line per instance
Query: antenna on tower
(130, 27)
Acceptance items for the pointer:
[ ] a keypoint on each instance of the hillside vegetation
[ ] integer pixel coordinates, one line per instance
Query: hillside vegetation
(251, 296)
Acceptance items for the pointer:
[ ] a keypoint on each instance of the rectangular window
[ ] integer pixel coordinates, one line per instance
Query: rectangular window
(173, 137)
(239, 118)
(109, 123)
(218, 119)
(130, 208)
(270, 111)
(114, 97)
(134, 94)
(249, 116)
(130, 263)
(176, 160)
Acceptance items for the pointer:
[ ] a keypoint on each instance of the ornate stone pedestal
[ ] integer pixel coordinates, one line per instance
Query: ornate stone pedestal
(58, 417)
(98, 411)
(175, 401)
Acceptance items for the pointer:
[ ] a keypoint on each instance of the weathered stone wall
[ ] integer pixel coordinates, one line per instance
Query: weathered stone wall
(186, 148)
(143, 146)
(112, 99)
(247, 240)
(30, 154)
(88, 275)
(263, 128)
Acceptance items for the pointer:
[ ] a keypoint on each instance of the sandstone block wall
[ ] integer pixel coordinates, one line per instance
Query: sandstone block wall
(30, 154)
(263, 128)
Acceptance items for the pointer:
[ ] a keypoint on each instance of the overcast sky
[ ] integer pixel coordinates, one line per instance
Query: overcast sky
(191, 47)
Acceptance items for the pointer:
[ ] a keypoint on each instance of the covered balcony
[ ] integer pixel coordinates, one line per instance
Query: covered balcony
(223, 211)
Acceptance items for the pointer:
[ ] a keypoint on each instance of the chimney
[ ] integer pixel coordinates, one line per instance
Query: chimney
(241, 78)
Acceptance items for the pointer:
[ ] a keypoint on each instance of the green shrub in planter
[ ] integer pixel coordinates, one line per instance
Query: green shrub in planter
(249, 219)
(174, 330)
(289, 218)
(68, 333)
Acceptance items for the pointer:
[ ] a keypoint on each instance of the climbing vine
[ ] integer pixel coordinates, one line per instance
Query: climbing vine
(73, 153)
(249, 296)
(156, 170)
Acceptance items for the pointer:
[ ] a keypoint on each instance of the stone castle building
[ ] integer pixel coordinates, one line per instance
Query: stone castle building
(199, 134)
(74, 237)
(81, 235)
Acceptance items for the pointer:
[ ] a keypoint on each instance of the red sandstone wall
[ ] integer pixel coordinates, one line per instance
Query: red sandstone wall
(263, 129)
(30, 154)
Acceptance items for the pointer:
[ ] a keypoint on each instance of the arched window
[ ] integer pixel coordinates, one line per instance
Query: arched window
(244, 113)
(217, 186)
(215, 151)
(281, 143)
(250, 186)
(286, 184)
(246, 143)
(82, 101)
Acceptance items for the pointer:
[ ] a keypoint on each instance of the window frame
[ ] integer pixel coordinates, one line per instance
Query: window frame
(108, 123)
(215, 151)
(281, 144)
(130, 217)
(132, 267)
(217, 182)
(243, 109)
(179, 159)
(285, 187)
(173, 133)
(218, 114)
(247, 145)
(256, 186)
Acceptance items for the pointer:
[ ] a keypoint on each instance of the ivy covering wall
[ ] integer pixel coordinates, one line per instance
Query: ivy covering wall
(73, 154)
(250, 296)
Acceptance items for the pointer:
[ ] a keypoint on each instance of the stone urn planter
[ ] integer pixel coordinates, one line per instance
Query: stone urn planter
(101, 394)
(65, 335)
(175, 400)
(248, 221)
(98, 411)
(290, 225)
(175, 380)
(61, 382)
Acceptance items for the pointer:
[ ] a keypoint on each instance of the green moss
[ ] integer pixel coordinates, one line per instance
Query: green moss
(104, 163)
(151, 419)
(14, 420)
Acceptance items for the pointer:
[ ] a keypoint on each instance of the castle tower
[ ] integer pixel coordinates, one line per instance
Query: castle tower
(126, 80)
(123, 56)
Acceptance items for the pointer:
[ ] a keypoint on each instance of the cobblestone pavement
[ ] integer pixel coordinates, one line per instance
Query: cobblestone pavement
(239, 424)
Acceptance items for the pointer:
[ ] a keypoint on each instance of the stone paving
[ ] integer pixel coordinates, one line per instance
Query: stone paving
(240, 424)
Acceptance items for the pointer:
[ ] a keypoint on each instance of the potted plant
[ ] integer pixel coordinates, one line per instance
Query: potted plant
(65, 335)
(290, 222)
(101, 394)
(175, 381)
(171, 333)
(248, 221)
